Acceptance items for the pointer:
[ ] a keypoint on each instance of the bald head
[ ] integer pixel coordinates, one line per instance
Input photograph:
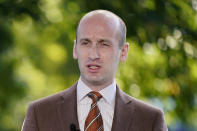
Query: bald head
(107, 18)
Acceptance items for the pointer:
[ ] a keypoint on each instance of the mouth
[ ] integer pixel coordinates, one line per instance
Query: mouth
(93, 67)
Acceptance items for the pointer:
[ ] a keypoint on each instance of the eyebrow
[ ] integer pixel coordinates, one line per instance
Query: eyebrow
(85, 39)
(100, 40)
(104, 40)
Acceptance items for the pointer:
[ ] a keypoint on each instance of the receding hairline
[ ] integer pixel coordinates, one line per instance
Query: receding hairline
(122, 26)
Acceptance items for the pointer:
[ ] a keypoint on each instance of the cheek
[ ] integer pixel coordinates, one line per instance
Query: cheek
(81, 54)
(110, 57)
(114, 59)
(82, 60)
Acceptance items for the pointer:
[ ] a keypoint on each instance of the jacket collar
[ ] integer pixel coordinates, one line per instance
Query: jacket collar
(123, 111)
(67, 108)
(68, 114)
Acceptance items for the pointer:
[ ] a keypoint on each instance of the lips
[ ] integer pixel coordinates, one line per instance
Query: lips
(94, 68)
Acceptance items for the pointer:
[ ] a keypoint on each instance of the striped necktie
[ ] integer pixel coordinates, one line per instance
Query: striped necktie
(94, 120)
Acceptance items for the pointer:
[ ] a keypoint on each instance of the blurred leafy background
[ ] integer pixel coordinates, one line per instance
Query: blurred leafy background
(36, 40)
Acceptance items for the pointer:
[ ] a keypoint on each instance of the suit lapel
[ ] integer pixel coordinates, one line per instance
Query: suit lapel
(67, 109)
(123, 112)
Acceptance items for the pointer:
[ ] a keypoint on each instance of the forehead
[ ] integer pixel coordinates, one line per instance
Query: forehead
(99, 25)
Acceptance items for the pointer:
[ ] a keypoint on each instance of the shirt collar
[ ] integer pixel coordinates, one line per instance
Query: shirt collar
(108, 93)
(82, 90)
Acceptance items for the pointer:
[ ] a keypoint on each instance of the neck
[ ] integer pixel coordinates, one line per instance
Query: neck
(97, 86)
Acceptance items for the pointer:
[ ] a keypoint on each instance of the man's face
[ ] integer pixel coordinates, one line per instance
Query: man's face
(97, 50)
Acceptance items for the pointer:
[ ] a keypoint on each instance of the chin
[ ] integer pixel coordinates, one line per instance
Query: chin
(95, 80)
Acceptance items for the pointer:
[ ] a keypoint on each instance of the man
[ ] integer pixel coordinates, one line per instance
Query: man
(95, 102)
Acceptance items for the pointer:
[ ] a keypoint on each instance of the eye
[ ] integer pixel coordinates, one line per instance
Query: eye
(84, 43)
(105, 44)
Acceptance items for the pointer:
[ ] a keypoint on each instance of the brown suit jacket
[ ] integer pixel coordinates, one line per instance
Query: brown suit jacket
(58, 112)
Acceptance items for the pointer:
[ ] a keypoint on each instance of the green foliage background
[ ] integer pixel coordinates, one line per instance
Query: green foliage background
(36, 40)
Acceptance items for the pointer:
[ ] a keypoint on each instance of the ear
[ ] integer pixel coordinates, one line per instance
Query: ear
(75, 50)
(124, 52)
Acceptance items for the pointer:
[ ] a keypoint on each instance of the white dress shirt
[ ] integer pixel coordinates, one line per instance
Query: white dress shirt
(105, 104)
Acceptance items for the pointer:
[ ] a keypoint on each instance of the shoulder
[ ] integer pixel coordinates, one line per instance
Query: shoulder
(54, 99)
(142, 111)
(140, 106)
(48, 99)
(144, 106)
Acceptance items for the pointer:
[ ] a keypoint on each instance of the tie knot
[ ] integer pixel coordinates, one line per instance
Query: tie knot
(95, 96)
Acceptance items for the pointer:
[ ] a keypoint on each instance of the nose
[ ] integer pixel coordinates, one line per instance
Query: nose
(94, 52)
